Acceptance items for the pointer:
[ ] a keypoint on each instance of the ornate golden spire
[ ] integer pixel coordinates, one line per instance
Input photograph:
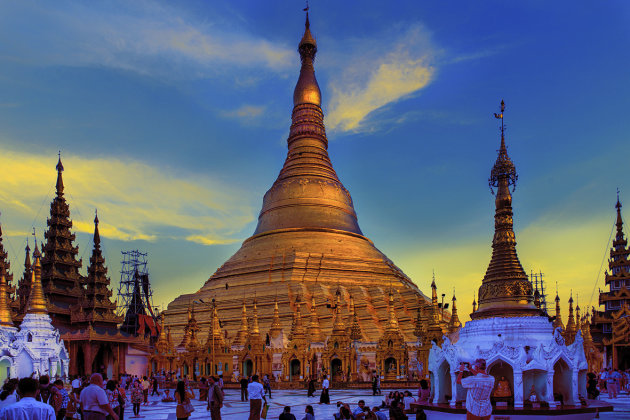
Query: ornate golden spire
(474, 304)
(454, 324)
(307, 194)
(242, 334)
(586, 330)
(161, 345)
(214, 333)
(505, 290)
(557, 322)
(255, 327)
(578, 320)
(392, 322)
(5, 311)
(338, 324)
(355, 328)
(36, 300)
(421, 327)
(297, 329)
(435, 315)
(276, 327)
(314, 330)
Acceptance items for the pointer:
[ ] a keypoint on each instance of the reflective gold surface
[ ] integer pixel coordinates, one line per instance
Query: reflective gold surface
(307, 243)
(5, 311)
(36, 300)
(505, 290)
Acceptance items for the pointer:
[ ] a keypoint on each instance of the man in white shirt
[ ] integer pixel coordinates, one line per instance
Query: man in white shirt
(94, 401)
(359, 411)
(479, 387)
(28, 408)
(324, 398)
(256, 396)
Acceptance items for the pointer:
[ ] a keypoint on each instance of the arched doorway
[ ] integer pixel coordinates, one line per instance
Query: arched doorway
(444, 378)
(248, 367)
(294, 370)
(336, 370)
(562, 382)
(502, 372)
(5, 370)
(391, 368)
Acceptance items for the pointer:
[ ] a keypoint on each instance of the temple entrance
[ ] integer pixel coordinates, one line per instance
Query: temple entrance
(294, 370)
(80, 362)
(562, 382)
(444, 387)
(104, 362)
(313, 372)
(248, 368)
(503, 382)
(391, 369)
(336, 371)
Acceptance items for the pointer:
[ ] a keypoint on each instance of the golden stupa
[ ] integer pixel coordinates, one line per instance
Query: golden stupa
(307, 244)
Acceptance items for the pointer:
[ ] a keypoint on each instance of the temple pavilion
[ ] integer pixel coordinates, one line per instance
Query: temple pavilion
(308, 293)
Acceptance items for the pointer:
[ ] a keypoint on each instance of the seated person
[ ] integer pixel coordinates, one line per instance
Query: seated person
(166, 397)
(286, 414)
(379, 414)
(407, 400)
(396, 412)
(358, 412)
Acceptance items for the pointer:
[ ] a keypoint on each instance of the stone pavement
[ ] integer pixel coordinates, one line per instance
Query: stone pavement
(234, 409)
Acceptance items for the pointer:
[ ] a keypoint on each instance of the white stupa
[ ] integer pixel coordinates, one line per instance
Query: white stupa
(37, 347)
(508, 330)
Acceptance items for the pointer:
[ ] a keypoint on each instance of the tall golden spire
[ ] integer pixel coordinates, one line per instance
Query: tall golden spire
(214, 333)
(421, 327)
(307, 194)
(454, 324)
(505, 290)
(5, 311)
(586, 330)
(242, 334)
(162, 345)
(338, 324)
(578, 320)
(435, 316)
(474, 304)
(297, 329)
(276, 327)
(36, 300)
(314, 330)
(558, 320)
(392, 322)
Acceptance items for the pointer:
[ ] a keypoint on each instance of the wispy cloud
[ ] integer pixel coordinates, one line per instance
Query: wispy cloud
(246, 112)
(140, 36)
(135, 200)
(396, 68)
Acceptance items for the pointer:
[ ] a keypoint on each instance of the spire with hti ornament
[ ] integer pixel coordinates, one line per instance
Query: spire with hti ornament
(505, 289)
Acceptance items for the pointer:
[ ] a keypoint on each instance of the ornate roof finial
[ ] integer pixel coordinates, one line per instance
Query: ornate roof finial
(503, 168)
(307, 89)
(276, 328)
(454, 323)
(59, 168)
(97, 236)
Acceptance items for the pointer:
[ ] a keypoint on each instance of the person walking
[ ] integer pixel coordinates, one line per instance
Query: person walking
(122, 400)
(311, 387)
(145, 390)
(64, 399)
(28, 407)
(155, 386)
(480, 386)
(113, 396)
(94, 402)
(215, 398)
(267, 385)
(183, 397)
(256, 397)
(136, 397)
(244, 382)
(325, 397)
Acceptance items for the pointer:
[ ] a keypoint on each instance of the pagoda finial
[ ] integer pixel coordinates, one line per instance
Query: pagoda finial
(454, 323)
(5, 311)
(307, 89)
(315, 330)
(276, 328)
(393, 320)
(619, 219)
(36, 299)
(97, 236)
(255, 327)
(474, 303)
(27, 257)
(59, 168)
(558, 320)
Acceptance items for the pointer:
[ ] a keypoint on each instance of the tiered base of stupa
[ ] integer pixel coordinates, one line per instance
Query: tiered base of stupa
(310, 264)
(526, 355)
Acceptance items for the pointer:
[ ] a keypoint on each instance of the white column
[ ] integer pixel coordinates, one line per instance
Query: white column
(574, 387)
(453, 401)
(518, 389)
(436, 388)
(549, 395)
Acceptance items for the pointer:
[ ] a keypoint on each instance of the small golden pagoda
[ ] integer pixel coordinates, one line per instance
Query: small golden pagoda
(392, 358)
(571, 329)
(295, 357)
(505, 289)
(162, 359)
(337, 354)
(255, 357)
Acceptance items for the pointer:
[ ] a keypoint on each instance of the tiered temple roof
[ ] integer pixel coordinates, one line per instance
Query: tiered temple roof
(94, 305)
(60, 268)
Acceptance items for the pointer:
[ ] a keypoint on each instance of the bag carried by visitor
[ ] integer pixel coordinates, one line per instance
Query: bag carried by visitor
(265, 408)
(187, 406)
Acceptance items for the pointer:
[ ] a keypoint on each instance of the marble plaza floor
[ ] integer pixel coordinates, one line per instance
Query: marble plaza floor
(234, 409)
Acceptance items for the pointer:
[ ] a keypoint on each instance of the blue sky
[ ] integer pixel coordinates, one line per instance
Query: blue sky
(172, 119)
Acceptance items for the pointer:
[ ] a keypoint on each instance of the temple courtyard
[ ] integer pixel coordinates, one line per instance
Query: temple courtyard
(235, 409)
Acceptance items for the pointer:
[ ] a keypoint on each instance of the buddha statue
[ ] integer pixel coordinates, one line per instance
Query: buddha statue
(532, 395)
(503, 389)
